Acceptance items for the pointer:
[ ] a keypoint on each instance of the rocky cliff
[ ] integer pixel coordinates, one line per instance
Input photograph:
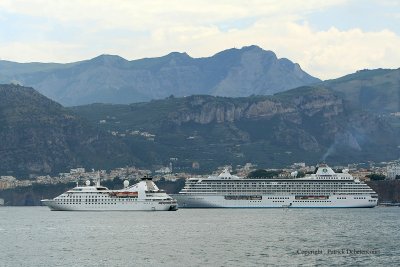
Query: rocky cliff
(308, 124)
(204, 110)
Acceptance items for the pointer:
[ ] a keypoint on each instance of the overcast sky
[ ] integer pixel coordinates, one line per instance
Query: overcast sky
(328, 38)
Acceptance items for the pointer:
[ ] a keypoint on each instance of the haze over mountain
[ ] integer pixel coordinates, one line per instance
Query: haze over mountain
(112, 79)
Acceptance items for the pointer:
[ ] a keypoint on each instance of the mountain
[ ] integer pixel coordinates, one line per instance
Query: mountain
(305, 124)
(373, 90)
(112, 79)
(350, 119)
(39, 136)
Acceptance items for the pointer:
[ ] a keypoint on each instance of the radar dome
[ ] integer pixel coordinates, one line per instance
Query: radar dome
(87, 182)
(126, 183)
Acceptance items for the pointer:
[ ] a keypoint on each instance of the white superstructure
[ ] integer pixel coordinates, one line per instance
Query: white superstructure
(324, 189)
(144, 195)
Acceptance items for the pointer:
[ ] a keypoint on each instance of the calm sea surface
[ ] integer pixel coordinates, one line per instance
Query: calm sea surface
(36, 236)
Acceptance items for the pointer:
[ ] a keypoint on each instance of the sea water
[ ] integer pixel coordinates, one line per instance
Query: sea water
(36, 236)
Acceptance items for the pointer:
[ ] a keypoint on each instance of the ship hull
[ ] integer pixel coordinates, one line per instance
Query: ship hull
(290, 201)
(136, 206)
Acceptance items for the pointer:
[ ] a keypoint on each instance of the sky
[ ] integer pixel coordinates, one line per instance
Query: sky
(328, 38)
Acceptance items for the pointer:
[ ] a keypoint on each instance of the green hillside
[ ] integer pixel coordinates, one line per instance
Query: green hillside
(39, 136)
(377, 90)
(324, 122)
(305, 124)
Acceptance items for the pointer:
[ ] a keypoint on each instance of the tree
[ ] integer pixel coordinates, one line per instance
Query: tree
(263, 174)
(376, 177)
(301, 174)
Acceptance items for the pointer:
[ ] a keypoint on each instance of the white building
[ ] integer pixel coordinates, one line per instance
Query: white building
(164, 170)
(298, 165)
(393, 171)
(77, 171)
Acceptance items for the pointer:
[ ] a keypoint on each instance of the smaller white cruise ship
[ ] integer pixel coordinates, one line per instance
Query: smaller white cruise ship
(323, 189)
(142, 196)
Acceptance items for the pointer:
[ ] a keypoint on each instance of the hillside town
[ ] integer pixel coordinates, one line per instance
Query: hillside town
(363, 171)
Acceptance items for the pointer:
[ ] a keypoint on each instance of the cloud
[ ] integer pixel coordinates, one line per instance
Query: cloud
(333, 53)
(120, 12)
(65, 31)
(40, 51)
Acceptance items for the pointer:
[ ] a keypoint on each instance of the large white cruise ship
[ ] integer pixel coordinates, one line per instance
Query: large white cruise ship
(324, 189)
(144, 195)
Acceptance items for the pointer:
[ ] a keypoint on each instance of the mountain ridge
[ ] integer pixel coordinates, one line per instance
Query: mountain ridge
(39, 136)
(113, 79)
(375, 90)
(350, 119)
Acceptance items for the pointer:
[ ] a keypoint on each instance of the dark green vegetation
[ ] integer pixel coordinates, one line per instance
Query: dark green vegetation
(372, 91)
(39, 136)
(377, 90)
(112, 79)
(307, 124)
(376, 177)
